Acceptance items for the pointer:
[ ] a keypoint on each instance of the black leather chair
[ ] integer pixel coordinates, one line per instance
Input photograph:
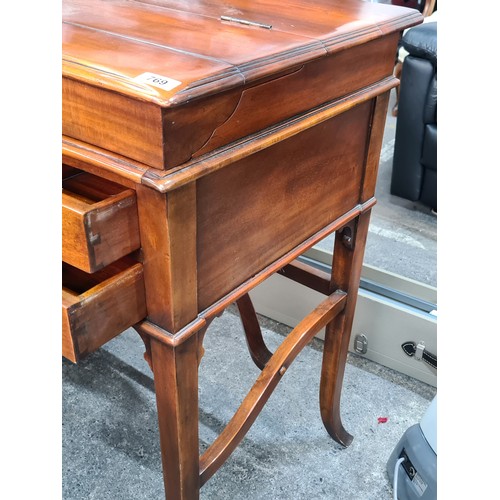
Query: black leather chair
(414, 171)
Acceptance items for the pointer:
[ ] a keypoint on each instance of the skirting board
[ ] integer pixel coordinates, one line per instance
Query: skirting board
(385, 323)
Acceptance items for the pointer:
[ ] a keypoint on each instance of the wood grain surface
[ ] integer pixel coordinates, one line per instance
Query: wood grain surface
(237, 135)
(256, 74)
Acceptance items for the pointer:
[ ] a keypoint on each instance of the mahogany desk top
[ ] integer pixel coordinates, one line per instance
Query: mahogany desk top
(206, 145)
(211, 72)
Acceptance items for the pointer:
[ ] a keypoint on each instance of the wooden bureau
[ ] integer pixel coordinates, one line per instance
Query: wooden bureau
(206, 145)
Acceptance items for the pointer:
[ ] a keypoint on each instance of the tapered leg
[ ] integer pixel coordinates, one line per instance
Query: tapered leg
(397, 73)
(176, 385)
(255, 341)
(346, 272)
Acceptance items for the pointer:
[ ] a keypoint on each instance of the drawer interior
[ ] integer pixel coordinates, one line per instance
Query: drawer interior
(77, 282)
(87, 187)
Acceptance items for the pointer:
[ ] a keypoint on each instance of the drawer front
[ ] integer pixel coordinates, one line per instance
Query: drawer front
(99, 222)
(97, 307)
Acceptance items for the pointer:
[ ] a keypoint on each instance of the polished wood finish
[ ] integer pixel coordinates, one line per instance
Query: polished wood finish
(177, 405)
(168, 229)
(249, 146)
(247, 211)
(255, 341)
(375, 138)
(272, 373)
(307, 275)
(346, 272)
(239, 150)
(97, 307)
(99, 222)
(207, 56)
(286, 97)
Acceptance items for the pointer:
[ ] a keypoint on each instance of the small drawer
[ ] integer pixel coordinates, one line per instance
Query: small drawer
(99, 222)
(97, 307)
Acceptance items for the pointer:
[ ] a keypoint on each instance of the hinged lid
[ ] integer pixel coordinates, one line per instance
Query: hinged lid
(127, 65)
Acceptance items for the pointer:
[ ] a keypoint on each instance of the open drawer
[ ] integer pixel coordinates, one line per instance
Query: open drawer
(97, 307)
(99, 221)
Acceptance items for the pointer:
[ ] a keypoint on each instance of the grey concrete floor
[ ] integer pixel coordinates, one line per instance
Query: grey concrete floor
(110, 443)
